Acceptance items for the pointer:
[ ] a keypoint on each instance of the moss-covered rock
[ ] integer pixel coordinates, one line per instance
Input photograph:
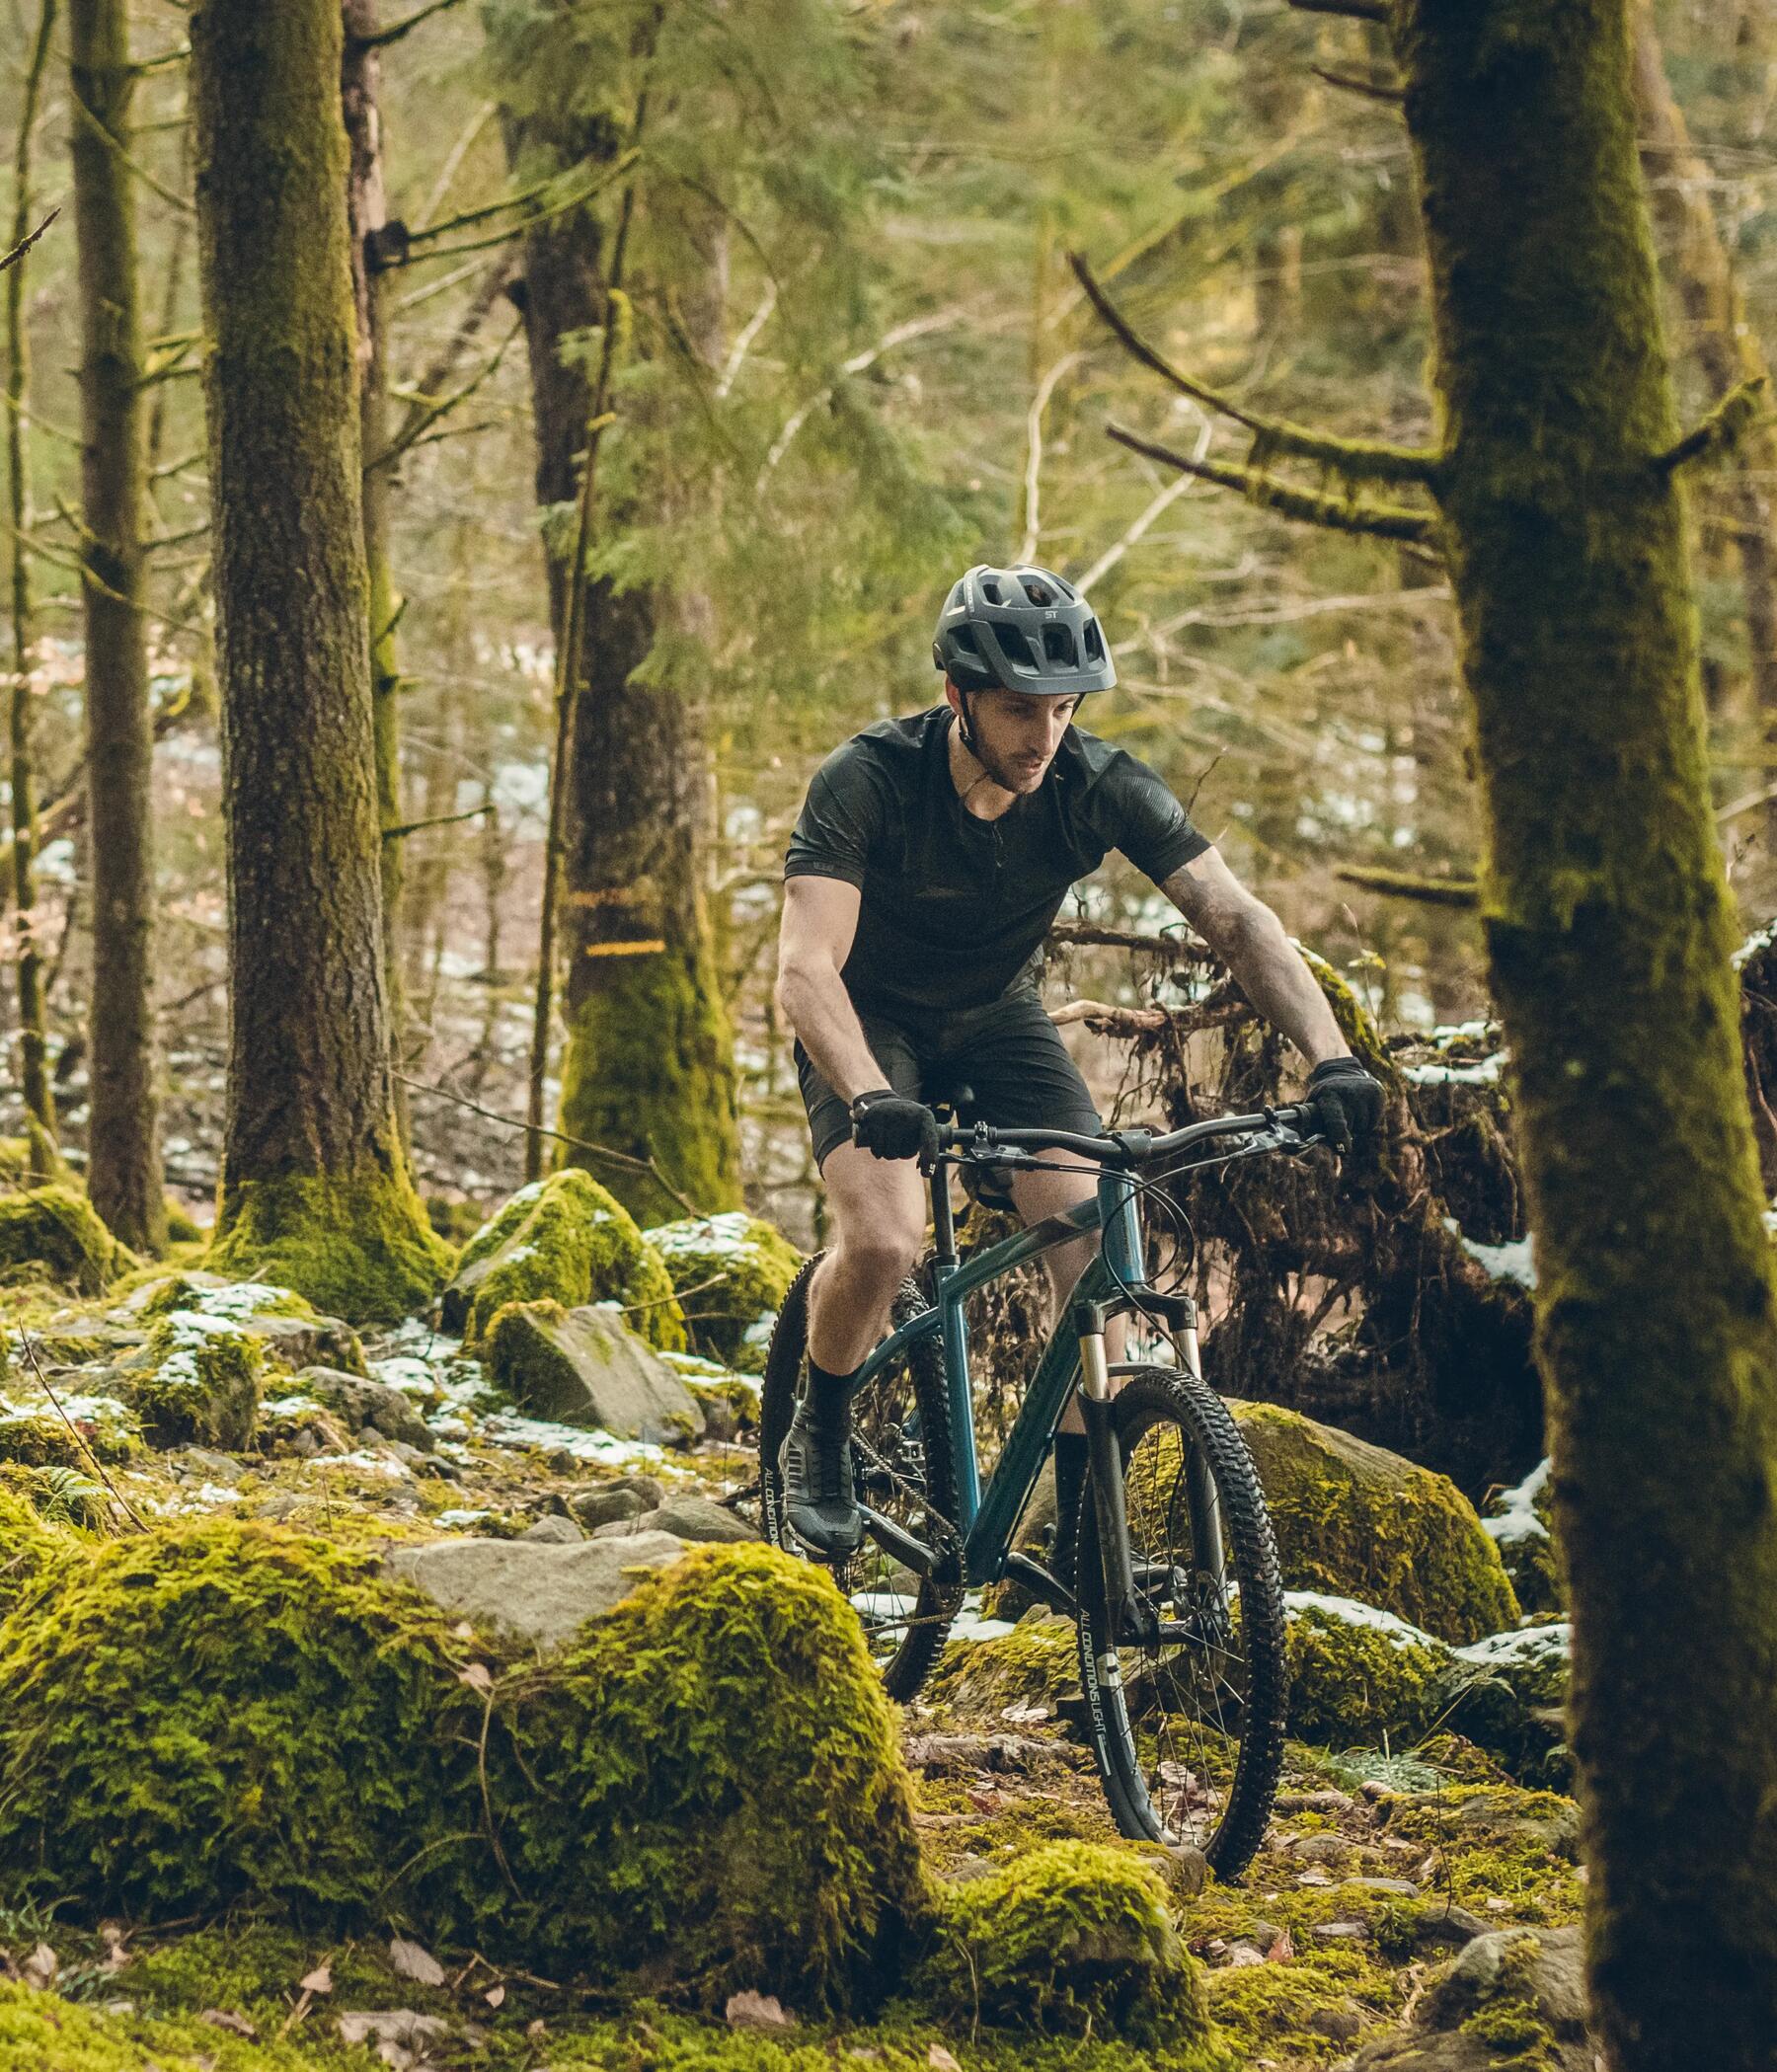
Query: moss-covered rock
(35, 1433)
(1360, 1677)
(1513, 2001)
(1037, 1664)
(1354, 1520)
(733, 1272)
(199, 1383)
(1075, 1937)
(28, 1547)
(293, 1332)
(1521, 1524)
(1510, 1700)
(585, 1366)
(566, 1240)
(357, 1247)
(56, 1232)
(702, 1792)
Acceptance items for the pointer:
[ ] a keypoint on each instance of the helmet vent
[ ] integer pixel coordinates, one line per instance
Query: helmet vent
(1059, 644)
(1013, 644)
(1095, 642)
(991, 591)
(1039, 593)
(964, 637)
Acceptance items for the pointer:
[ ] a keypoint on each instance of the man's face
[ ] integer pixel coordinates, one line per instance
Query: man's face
(1016, 734)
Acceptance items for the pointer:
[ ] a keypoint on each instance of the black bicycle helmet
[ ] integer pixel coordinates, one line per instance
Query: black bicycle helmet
(1021, 629)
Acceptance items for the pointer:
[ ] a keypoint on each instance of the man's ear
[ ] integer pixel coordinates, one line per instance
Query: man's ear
(952, 697)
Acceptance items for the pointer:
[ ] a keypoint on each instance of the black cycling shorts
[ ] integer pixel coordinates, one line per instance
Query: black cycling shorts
(1008, 1054)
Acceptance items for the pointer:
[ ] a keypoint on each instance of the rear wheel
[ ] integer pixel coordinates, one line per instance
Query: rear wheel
(1185, 1704)
(904, 1468)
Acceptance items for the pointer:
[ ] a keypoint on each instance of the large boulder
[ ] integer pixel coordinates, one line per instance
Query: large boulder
(585, 1366)
(700, 1793)
(564, 1240)
(1073, 1939)
(378, 1404)
(1511, 1700)
(1354, 1520)
(731, 1273)
(291, 1330)
(56, 1231)
(36, 1434)
(1037, 1664)
(536, 1593)
(198, 1382)
(1359, 1677)
(1515, 1997)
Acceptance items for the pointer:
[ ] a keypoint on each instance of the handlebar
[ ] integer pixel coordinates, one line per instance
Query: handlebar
(1294, 1128)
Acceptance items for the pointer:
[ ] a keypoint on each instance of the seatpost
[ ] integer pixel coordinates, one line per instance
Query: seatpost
(944, 1228)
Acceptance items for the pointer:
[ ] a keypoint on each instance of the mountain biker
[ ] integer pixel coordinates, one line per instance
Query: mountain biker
(931, 856)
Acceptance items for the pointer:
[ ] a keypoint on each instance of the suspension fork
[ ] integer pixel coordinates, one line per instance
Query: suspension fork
(1126, 1617)
(1208, 1546)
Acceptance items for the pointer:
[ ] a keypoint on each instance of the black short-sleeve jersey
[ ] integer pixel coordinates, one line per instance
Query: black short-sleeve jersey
(954, 909)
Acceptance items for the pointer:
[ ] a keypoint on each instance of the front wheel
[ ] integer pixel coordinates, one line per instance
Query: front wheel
(903, 1464)
(1187, 1702)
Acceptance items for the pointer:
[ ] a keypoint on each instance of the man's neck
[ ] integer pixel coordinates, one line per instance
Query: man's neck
(981, 798)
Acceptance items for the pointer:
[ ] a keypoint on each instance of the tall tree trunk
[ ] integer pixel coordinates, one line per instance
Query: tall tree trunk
(123, 1162)
(649, 1064)
(367, 214)
(315, 1189)
(1610, 930)
(1727, 347)
(33, 1060)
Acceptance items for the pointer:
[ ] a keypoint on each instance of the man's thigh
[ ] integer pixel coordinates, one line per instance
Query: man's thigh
(1013, 1060)
(874, 1200)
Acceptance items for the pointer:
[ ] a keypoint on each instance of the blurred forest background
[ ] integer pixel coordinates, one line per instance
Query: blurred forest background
(812, 259)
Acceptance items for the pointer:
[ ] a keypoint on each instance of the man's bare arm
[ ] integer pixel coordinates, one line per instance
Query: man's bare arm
(1249, 940)
(820, 918)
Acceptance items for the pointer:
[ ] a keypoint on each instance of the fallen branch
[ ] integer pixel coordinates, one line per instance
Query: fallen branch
(1404, 885)
(1351, 10)
(1089, 932)
(1716, 435)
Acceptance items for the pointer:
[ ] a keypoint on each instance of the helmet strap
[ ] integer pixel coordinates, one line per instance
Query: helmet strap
(965, 732)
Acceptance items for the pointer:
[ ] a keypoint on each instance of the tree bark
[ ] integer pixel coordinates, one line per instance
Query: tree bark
(1609, 933)
(33, 1060)
(124, 1163)
(367, 217)
(1727, 347)
(648, 1063)
(315, 1188)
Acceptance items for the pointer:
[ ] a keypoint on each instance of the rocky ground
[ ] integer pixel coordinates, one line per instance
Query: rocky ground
(215, 1503)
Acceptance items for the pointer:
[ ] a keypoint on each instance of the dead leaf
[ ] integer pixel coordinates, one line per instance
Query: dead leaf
(1282, 1951)
(494, 1996)
(538, 2028)
(1026, 1715)
(463, 1631)
(40, 1967)
(113, 1937)
(410, 1960)
(478, 1676)
(319, 1980)
(390, 2024)
(236, 2024)
(941, 2060)
(757, 2011)
(986, 1799)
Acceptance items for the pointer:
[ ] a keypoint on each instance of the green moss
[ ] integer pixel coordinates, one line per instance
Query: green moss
(203, 1386)
(1037, 1662)
(1073, 1939)
(702, 1791)
(359, 1247)
(1357, 1685)
(57, 1231)
(1356, 1022)
(564, 1240)
(35, 1435)
(734, 1273)
(1353, 1520)
(28, 1547)
(183, 1228)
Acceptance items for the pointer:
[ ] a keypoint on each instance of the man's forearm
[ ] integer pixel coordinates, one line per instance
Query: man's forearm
(1274, 977)
(820, 1010)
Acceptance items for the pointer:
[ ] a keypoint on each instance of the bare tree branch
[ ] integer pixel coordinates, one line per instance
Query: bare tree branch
(393, 33)
(1352, 9)
(1365, 89)
(24, 245)
(1716, 435)
(1403, 884)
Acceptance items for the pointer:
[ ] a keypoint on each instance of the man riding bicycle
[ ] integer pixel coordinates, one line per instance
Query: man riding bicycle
(929, 862)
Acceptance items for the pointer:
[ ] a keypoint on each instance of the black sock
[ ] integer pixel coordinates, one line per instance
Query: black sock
(1071, 1455)
(830, 1395)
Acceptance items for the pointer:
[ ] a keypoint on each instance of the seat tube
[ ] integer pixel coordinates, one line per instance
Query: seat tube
(954, 1337)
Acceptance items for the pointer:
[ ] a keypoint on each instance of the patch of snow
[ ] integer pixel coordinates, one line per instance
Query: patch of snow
(297, 1406)
(1522, 1644)
(971, 1624)
(1485, 1072)
(694, 1368)
(241, 1298)
(365, 1462)
(1516, 1517)
(461, 1517)
(1512, 1262)
(724, 1235)
(509, 1428)
(400, 1371)
(1401, 1632)
(1755, 944)
(758, 1333)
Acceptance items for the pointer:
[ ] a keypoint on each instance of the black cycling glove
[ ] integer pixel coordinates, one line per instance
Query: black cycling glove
(1346, 1101)
(888, 1126)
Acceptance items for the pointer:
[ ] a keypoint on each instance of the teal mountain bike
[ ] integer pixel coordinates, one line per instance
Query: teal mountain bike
(1172, 1575)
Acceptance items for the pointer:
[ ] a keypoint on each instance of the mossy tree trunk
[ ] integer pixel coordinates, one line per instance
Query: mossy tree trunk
(1609, 932)
(315, 1188)
(367, 217)
(649, 1065)
(1727, 348)
(123, 1162)
(33, 1060)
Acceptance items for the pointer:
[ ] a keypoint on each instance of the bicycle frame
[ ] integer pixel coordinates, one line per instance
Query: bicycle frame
(988, 1517)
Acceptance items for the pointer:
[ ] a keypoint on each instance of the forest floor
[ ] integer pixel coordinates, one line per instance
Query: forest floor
(1377, 1865)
